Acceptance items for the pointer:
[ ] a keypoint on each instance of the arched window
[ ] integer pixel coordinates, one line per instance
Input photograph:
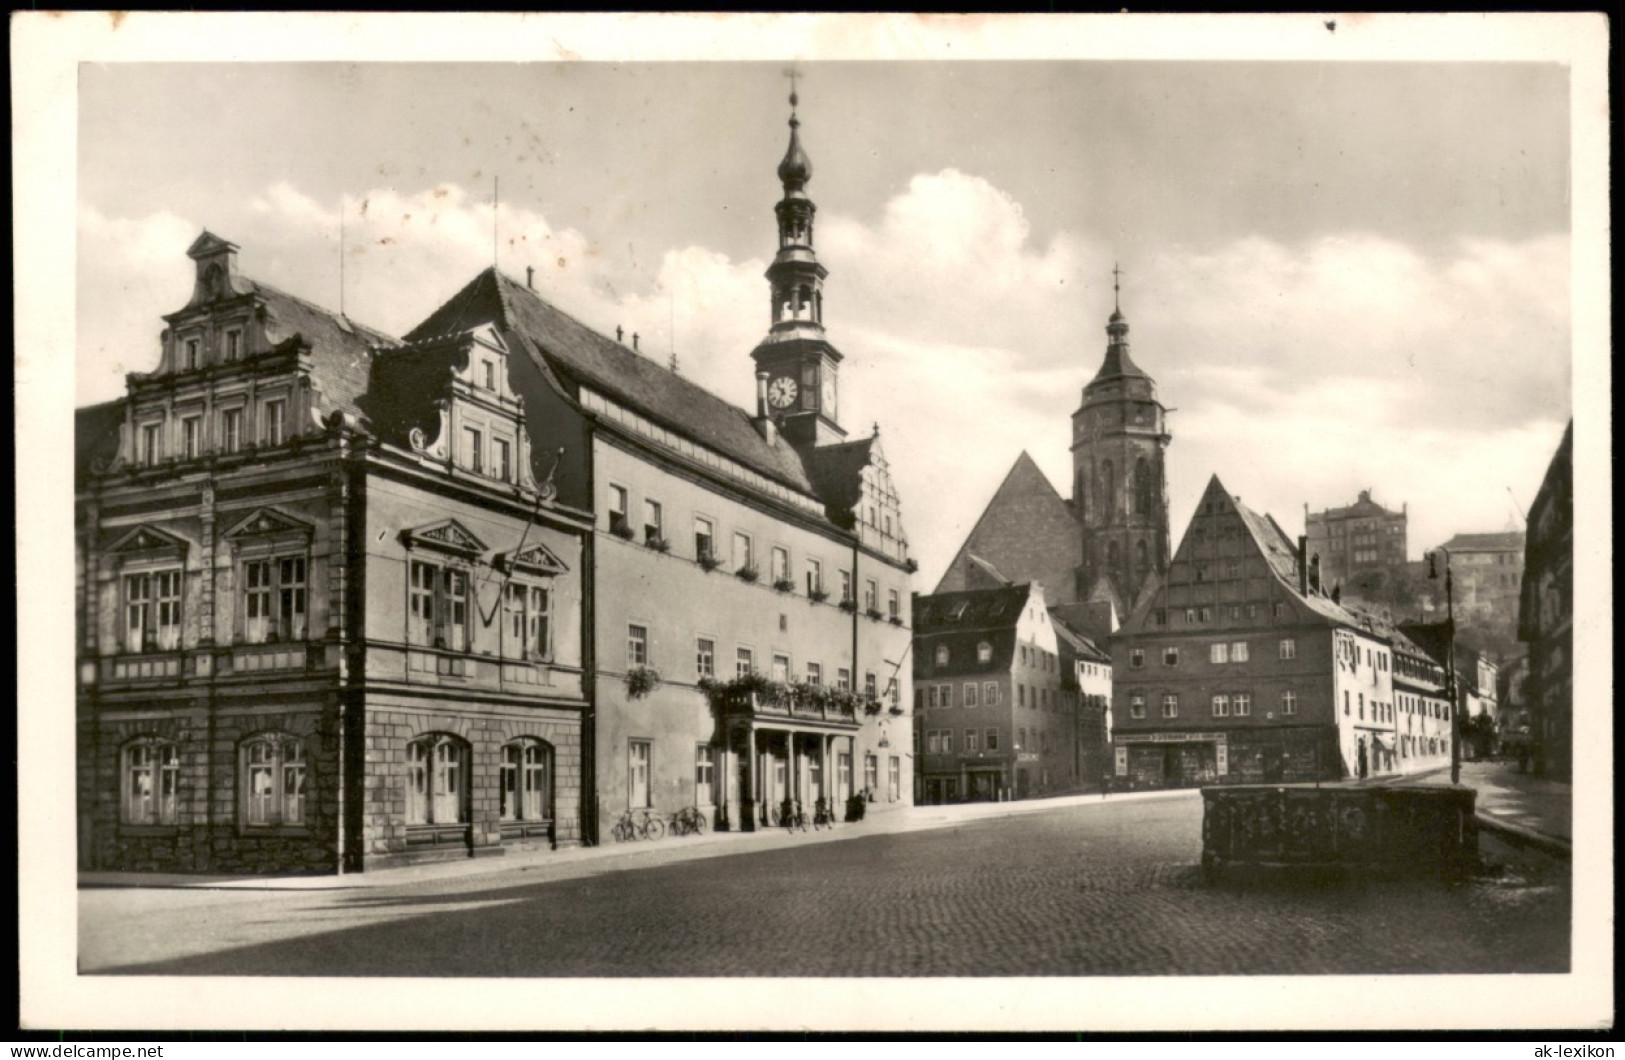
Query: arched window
(527, 787)
(1142, 487)
(152, 774)
(1114, 555)
(273, 781)
(942, 655)
(1107, 495)
(1142, 556)
(436, 780)
(984, 652)
(1081, 494)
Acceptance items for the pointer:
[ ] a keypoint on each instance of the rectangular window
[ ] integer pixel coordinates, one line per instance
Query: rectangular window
(933, 699)
(947, 741)
(990, 694)
(637, 780)
(489, 372)
(234, 344)
(781, 667)
(454, 611)
(231, 430)
(705, 771)
(1170, 656)
(1136, 705)
(1243, 702)
(1289, 648)
(705, 657)
(991, 739)
(150, 452)
(843, 679)
(741, 554)
(815, 674)
(1238, 651)
(501, 459)
(894, 779)
(1021, 695)
(1170, 705)
(871, 596)
(531, 628)
(257, 601)
(474, 450)
(1021, 739)
(704, 538)
(973, 741)
(152, 784)
(871, 690)
(969, 693)
(421, 617)
(637, 645)
(191, 353)
(933, 741)
(1221, 705)
(1218, 653)
(290, 589)
(192, 437)
(815, 577)
(654, 521)
(276, 422)
(1207, 614)
(1136, 658)
(744, 663)
(617, 510)
(779, 564)
(152, 611)
(893, 604)
(945, 695)
(1289, 702)
(871, 773)
(846, 587)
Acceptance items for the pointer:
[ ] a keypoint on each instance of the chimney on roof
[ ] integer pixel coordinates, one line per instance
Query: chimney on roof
(618, 333)
(1337, 593)
(530, 277)
(1303, 565)
(764, 422)
(634, 340)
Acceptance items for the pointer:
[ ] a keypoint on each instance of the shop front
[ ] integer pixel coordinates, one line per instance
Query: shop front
(1170, 759)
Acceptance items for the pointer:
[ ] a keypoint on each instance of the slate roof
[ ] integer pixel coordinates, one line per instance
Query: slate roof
(576, 353)
(1080, 644)
(95, 435)
(1511, 541)
(836, 472)
(982, 615)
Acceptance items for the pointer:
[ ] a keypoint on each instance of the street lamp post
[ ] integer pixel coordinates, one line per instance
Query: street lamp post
(1450, 661)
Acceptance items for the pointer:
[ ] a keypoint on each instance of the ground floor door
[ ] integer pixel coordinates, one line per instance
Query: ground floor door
(1023, 783)
(1272, 764)
(982, 785)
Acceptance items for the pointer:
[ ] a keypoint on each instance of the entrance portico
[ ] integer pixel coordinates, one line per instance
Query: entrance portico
(777, 752)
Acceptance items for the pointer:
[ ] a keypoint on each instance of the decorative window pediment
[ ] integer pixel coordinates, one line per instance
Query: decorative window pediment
(270, 528)
(448, 536)
(537, 559)
(149, 542)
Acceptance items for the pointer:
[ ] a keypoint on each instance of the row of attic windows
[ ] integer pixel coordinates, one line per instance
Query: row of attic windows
(188, 439)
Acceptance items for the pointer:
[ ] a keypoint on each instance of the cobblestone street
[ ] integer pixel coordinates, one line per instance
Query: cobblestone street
(1099, 889)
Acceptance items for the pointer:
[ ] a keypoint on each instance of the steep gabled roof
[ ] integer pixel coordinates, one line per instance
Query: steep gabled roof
(1081, 645)
(577, 354)
(836, 472)
(95, 436)
(1027, 531)
(962, 621)
(340, 348)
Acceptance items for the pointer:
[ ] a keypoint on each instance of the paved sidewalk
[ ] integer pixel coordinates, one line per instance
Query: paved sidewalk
(1523, 808)
(612, 856)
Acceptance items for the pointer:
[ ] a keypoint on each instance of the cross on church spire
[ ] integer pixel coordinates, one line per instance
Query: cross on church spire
(1117, 275)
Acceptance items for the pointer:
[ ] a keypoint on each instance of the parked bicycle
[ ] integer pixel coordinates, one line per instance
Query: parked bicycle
(689, 821)
(792, 816)
(823, 816)
(638, 824)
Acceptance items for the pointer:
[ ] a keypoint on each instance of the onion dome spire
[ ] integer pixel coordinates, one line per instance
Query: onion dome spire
(796, 169)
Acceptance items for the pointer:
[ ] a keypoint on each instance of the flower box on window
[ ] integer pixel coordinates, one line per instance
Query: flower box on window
(784, 585)
(849, 606)
(658, 544)
(748, 574)
(708, 561)
(874, 613)
(622, 531)
(641, 680)
(896, 620)
(911, 566)
(818, 596)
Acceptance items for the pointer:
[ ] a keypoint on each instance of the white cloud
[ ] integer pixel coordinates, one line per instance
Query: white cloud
(1301, 373)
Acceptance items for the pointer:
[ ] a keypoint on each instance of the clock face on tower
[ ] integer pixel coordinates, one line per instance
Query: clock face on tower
(781, 392)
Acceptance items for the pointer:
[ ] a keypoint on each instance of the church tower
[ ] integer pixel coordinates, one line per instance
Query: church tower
(1119, 491)
(796, 366)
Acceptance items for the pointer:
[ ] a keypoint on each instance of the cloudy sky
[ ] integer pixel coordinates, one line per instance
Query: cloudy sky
(1341, 275)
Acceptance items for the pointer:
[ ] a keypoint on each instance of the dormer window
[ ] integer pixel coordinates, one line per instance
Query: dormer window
(984, 652)
(942, 655)
(191, 360)
(489, 373)
(473, 450)
(500, 459)
(234, 344)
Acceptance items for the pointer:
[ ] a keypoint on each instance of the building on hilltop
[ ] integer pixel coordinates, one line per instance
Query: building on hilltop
(1546, 615)
(1240, 667)
(1361, 548)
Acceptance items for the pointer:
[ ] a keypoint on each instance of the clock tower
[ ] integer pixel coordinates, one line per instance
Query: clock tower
(1120, 494)
(796, 366)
